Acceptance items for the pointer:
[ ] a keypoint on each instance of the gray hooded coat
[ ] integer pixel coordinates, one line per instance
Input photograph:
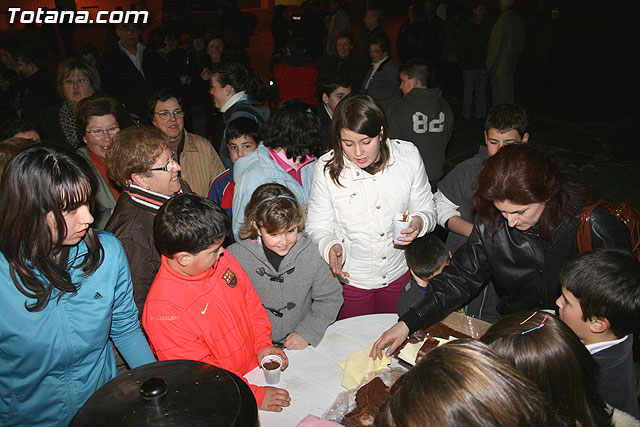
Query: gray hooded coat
(303, 279)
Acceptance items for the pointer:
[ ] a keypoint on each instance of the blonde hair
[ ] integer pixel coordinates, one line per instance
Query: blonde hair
(274, 207)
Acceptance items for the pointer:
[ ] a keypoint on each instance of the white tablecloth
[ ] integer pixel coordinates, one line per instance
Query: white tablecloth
(313, 377)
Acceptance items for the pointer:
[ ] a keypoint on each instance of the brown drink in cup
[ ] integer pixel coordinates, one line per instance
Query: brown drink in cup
(270, 365)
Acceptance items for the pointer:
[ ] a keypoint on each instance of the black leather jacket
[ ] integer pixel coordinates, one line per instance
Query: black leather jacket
(523, 267)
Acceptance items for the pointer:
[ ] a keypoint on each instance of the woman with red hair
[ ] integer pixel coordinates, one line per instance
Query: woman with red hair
(528, 216)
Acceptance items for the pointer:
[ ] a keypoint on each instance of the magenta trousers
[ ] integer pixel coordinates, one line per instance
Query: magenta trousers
(358, 302)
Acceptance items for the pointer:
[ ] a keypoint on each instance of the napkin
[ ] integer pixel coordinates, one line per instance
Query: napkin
(359, 364)
(410, 351)
(313, 421)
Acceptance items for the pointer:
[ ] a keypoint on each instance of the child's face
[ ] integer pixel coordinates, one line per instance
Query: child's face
(204, 260)
(280, 242)
(495, 139)
(424, 281)
(77, 223)
(361, 149)
(406, 83)
(571, 313)
(336, 96)
(239, 147)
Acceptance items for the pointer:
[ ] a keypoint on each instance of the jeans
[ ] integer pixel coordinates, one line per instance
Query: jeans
(474, 81)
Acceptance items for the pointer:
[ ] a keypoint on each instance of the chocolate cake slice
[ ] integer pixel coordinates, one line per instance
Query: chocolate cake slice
(369, 398)
(372, 393)
(441, 330)
(429, 344)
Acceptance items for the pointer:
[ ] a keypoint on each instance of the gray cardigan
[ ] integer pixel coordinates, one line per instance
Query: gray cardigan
(306, 281)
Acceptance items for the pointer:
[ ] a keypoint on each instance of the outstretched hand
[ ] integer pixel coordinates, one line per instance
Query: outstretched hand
(335, 261)
(394, 336)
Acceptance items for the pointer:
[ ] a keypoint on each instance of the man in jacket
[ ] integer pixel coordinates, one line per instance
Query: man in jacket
(505, 45)
(381, 82)
(423, 117)
(38, 87)
(131, 72)
(372, 29)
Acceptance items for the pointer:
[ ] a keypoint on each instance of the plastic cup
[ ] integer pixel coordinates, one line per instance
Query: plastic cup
(270, 365)
(399, 225)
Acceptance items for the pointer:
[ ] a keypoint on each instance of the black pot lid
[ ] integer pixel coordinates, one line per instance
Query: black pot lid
(169, 393)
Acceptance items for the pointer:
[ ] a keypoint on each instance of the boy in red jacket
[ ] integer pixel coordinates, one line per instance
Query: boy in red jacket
(202, 305)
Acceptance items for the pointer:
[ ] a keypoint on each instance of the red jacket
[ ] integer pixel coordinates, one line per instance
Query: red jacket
(297, 81)
(215, 317)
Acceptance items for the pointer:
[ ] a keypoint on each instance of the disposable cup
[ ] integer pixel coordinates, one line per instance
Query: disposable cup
(399, 225)
(270, 365)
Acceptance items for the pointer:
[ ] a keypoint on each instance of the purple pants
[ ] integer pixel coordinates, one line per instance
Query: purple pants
(358, 302)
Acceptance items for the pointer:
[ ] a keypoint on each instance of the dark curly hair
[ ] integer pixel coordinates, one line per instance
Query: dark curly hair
(295, 127)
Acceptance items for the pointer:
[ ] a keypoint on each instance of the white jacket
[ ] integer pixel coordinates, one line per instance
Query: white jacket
(359, 214)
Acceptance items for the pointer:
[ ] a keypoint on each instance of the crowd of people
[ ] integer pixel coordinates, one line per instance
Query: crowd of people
(166, 204)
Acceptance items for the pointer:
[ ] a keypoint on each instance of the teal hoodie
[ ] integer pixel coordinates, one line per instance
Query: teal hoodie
(52, 360)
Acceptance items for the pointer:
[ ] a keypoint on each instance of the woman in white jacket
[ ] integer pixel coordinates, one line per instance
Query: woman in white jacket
(357, 188)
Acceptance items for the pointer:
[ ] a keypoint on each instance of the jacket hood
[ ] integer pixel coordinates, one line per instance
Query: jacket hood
(243, 163)
(424, 92)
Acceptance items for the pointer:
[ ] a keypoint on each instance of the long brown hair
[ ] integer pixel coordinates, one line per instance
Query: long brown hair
(360, 114)
(37, 181)
(464, 382)
(524, 175)
(553, 357)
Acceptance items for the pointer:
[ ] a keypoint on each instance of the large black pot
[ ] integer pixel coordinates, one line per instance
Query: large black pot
(170, 393)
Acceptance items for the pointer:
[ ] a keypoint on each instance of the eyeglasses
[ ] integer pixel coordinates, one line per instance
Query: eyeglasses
(166, 115)
(171, 164)
(79, 82)
(99, 133)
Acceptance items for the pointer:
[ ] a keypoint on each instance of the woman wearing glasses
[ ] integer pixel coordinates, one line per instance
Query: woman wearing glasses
(76, 80)
(139, 161)
(199, 161)
(97, 120)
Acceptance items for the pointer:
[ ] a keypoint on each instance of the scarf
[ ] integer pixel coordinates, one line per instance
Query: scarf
(67, 119)
(149, 200)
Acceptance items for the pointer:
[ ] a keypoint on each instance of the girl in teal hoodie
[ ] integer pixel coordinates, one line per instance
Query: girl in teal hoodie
(65, 289)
